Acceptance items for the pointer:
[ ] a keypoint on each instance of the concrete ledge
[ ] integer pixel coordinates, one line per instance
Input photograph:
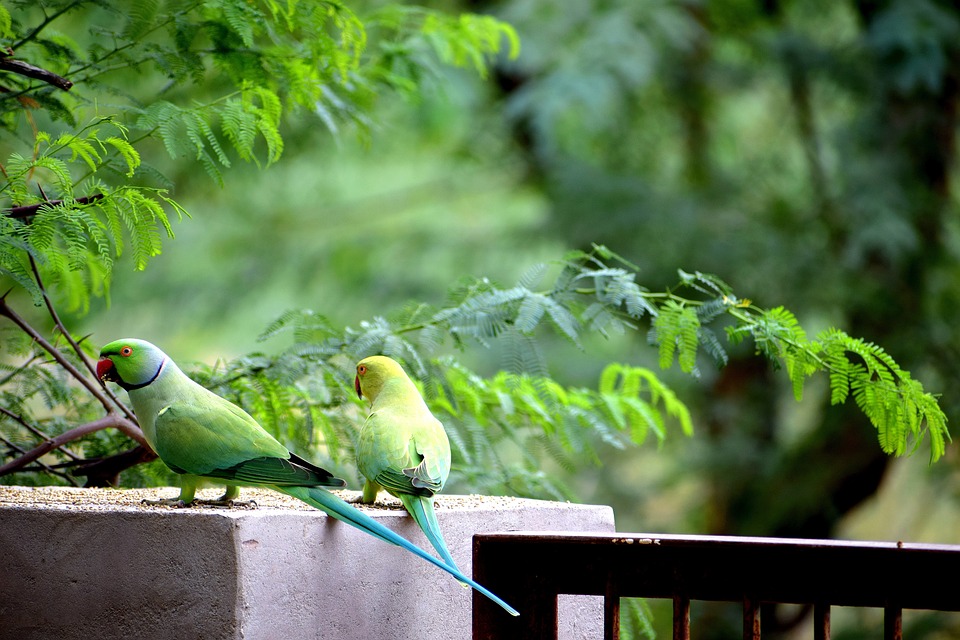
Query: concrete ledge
(94, 563)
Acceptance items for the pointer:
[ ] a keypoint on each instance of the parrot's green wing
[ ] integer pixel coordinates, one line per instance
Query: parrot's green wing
(429, 475)
(398, 482)
(217, 439)
(399, 456)
(295, 472)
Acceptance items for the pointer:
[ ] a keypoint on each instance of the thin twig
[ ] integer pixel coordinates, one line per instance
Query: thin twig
(118, 49)
(35, 431)
(40, 27)
(14, 373)
(56, 319)
(96, 390)
(40, 466)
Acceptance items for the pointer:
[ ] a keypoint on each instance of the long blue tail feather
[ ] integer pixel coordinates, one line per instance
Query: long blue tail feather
(337, 508)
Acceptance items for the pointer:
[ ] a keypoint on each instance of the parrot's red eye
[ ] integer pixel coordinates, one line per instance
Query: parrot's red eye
(362, 369)
(126, 351)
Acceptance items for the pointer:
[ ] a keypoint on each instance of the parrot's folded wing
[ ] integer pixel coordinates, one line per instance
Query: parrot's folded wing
(421, 478)
(277, 472)
(399, 482)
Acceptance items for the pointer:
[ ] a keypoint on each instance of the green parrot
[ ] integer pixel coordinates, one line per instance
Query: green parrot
(198, 434)
(402, 447)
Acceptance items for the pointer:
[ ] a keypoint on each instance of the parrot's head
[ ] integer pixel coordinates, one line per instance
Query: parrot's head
(373, 373)
(131, 363)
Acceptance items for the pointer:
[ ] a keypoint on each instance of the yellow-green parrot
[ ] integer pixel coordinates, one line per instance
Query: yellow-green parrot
(198, 434)
(402, 447)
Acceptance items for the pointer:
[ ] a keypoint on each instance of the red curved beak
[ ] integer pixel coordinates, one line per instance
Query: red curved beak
(356, 384)
(104, 367)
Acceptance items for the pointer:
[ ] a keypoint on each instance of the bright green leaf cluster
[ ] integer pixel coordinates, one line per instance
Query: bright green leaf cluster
(675, 328)
(491, 420)
(467, 40)
(896, 404)
(70, 238)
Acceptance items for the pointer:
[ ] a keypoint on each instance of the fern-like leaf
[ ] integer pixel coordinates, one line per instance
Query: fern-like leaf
(676, 329)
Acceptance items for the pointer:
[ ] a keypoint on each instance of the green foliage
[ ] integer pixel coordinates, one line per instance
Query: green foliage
(896, 404)
(636, 619)
(520, 422)
(72, 239)
(466, 40)
(520, 431)
(209, 82)
(675, 330)
(586, 289)
(300, 398)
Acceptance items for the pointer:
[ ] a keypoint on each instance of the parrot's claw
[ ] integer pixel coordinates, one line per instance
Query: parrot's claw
(229, 503)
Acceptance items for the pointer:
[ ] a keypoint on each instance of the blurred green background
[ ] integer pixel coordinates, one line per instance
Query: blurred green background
(805, 152)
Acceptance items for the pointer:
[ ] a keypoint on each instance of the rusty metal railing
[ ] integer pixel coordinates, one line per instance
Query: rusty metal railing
(530, 569)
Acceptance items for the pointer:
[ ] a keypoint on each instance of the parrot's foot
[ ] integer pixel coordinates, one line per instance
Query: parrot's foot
(166, 502)
(228, 503)
(379, 503)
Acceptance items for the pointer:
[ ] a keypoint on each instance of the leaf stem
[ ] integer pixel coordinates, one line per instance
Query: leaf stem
(40, 27)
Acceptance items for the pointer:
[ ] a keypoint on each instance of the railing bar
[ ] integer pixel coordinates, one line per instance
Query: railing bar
(821, 621)
(611, 612)
(654, 566)
(681, 617)
(751, 619)
(892, 623)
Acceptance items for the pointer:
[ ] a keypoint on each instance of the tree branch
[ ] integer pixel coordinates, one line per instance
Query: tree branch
(105, 472)
(96, 390)
(110, 420)
(28, 210)
(76, 347)
(40, 27)
(42, 466)
(35, 431)
(7, 63)
(91, 368)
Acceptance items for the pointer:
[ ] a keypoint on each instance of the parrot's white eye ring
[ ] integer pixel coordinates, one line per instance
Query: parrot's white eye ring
(126, 351)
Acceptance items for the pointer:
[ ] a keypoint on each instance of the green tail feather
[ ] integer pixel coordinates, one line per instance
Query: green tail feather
(337, 508)
(422, 511)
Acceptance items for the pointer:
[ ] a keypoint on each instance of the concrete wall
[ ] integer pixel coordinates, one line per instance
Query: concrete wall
(86, 563)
